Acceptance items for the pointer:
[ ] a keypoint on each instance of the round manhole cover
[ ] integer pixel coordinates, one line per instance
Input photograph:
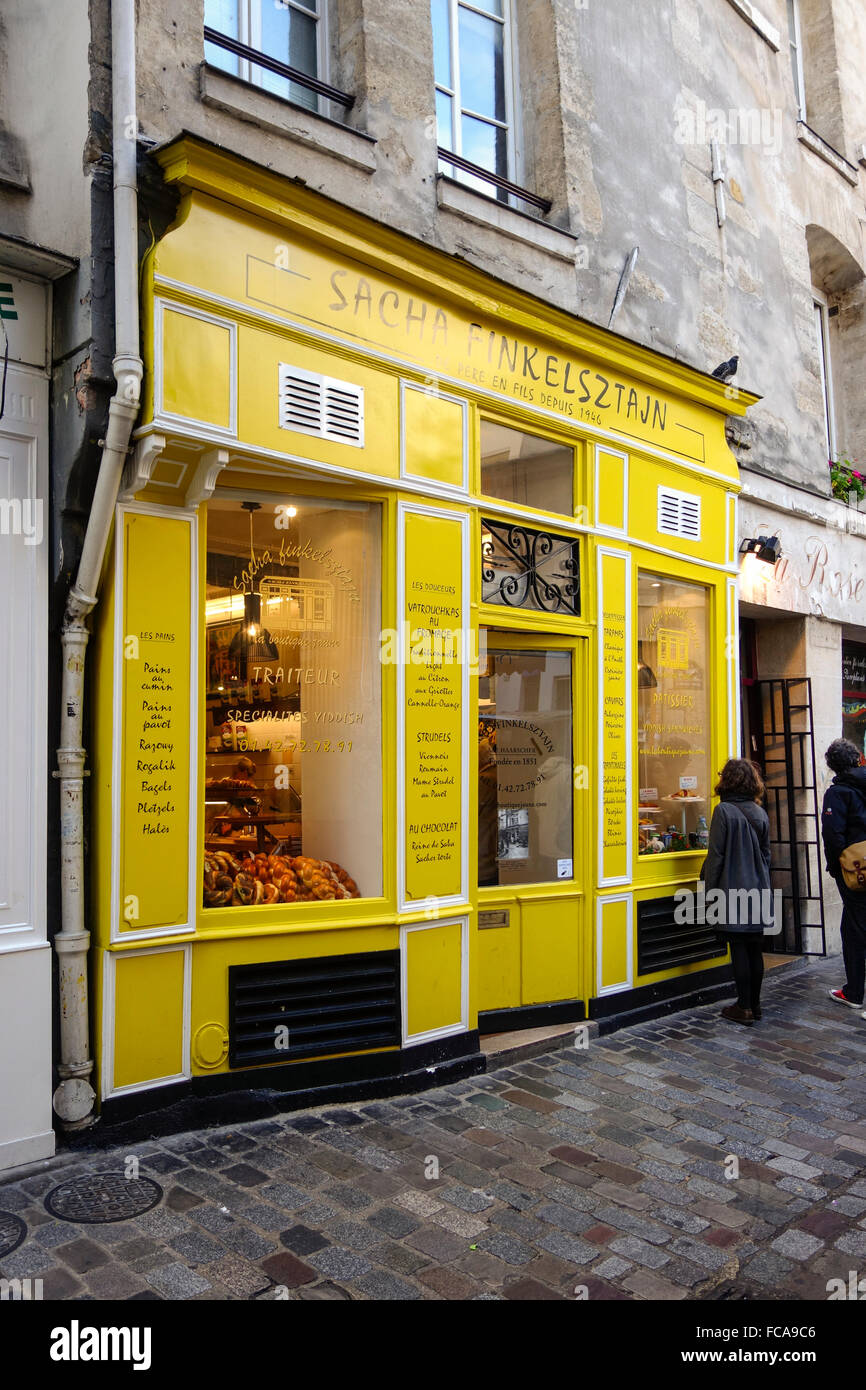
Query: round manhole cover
(102, 1197)
(12, 1232)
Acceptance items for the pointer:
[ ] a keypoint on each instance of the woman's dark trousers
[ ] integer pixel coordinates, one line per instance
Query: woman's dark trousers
(747, 958)
(853, 942)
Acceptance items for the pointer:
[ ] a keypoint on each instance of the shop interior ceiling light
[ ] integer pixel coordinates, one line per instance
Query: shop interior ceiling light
(768, 549)
(253, 642)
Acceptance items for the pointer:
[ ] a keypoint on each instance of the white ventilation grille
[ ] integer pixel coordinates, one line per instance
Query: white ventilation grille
(320, 405)
(679, 514)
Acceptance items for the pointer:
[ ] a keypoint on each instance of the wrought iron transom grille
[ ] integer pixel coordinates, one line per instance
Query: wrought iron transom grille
(525, 568)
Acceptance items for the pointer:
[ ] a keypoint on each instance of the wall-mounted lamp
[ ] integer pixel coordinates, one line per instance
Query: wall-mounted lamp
(767, 549)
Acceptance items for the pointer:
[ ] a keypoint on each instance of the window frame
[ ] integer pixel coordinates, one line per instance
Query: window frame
(249, 18)
(550, 437)
(645, 568)
(820, 307)
(795, 47)
(513, 143)
(500, 631)
(233, 919)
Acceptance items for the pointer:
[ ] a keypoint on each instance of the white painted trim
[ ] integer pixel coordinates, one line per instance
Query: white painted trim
(110, 959)
(825, 364)
(29, 669)
(18, 1153)
(116, 936)
(449, 1029)
(797, 45)
(306, 466)
(676, 494)
(491, 399)
(601, 553)
(732, 660)
(599, 528)
(601, 989)
(442, 489)
(160, 414)
(513, 156)
(461, 899)
(730, 526)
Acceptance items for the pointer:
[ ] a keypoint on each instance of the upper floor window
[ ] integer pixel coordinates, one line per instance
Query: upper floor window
(795, 42)
(292, 31)
(822, 332)
(473, 67)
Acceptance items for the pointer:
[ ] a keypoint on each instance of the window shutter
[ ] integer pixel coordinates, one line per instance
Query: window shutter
(320, 405)
(679, 514)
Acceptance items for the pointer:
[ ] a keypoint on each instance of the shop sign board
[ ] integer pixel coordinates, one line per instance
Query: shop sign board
(156, 640)
(433, 677)
(822, 571)
(233, 260)
(615, 714)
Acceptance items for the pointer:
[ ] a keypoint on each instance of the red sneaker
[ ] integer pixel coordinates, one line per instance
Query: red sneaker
(841, 998)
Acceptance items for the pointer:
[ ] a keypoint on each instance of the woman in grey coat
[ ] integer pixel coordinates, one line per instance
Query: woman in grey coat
(738, 864)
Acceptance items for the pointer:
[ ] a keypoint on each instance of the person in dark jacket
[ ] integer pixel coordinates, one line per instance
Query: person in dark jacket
(488, 815)
(738, 863)
(843, 823)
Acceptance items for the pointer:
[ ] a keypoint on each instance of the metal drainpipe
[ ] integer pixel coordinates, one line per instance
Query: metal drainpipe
(75, 1097)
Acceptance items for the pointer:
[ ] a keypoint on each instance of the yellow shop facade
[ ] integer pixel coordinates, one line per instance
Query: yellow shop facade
(416, 664)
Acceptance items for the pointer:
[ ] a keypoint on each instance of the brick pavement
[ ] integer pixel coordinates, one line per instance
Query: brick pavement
(682, 1159)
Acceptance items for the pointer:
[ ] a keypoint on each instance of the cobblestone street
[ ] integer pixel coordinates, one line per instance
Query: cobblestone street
(607, 1170)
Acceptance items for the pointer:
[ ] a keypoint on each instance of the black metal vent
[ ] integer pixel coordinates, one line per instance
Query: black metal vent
(290, 1009)
(662, 942)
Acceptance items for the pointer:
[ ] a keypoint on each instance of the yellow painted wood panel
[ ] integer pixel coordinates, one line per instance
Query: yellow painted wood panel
(499, 963)
(615, 714)
(433, 437)
(196, 369)
(260, 353)
(148, 1013)
(614, 925)
(612, 490)
(433, 977)
(550, 950)
(155, 752)
(433, 606)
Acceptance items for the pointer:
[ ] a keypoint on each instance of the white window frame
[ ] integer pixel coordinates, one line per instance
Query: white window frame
(795, 45)
(822, 321)
(249, 14)
(513, 150)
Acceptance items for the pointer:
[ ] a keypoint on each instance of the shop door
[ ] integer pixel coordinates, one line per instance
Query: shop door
(533, 811)
(781, 739)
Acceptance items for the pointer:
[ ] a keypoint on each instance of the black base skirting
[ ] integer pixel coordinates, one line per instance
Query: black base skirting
(531, 1016)
(258, 1093)
(631, 1006)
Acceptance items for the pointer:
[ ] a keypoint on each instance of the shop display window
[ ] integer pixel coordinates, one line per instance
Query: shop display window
(526, 469)
(292, 720)
(673, 685)
(525, 782)
(854, 693)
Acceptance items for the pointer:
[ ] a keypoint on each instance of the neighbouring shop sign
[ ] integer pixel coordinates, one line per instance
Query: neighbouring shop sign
(22, 320)
(433, 704)
(821, 570)
(155, 824)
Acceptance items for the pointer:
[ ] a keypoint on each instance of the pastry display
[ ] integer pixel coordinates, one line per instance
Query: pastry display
(273, 878)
